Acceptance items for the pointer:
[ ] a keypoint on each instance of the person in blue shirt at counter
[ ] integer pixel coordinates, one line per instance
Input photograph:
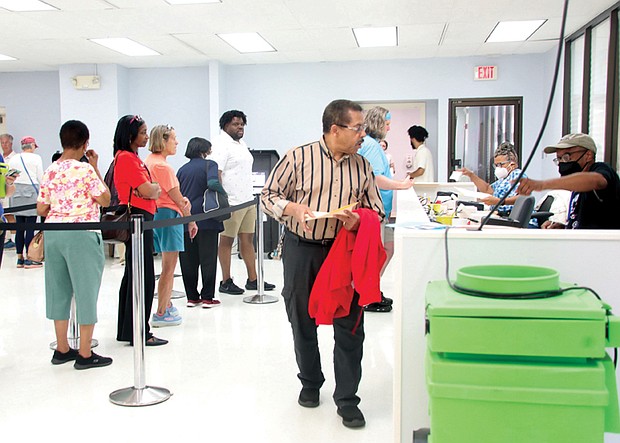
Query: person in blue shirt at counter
(377, 121)
(507, 170)
(595, 186)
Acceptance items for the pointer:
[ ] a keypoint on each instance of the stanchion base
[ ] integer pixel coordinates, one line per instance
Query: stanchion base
(149, 395)
(75, 343)
(174, 294)
(260, 299)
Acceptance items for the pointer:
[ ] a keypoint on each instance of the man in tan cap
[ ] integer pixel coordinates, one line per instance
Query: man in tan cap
(595, 186)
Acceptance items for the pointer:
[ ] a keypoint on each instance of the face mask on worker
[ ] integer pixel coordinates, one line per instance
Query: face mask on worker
(501, 173)
(569, 168)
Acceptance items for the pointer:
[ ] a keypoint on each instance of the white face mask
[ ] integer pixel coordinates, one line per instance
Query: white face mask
(501, 173)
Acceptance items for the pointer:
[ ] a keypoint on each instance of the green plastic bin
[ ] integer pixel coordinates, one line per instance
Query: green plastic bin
(519, 370)
(475, 401)
(571, 325)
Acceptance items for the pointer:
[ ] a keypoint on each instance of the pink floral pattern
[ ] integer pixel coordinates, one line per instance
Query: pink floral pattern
(70, 188)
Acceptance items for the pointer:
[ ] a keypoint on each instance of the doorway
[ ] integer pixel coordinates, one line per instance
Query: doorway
(477, 126)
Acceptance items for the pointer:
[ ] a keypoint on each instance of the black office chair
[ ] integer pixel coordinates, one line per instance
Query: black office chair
(520, 215)
(522, 210)
(543, 213)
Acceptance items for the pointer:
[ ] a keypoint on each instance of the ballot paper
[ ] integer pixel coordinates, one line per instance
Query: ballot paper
(331, 214)
(473, 194)
(456, 175)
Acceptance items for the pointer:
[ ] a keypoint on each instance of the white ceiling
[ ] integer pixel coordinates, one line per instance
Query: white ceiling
(300, 30)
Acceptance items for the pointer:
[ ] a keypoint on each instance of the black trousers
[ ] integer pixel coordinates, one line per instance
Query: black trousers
(125, 295)
(301, 262)
(200, 253)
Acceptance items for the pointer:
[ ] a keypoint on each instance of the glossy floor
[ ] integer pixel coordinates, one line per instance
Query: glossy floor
(231, 370)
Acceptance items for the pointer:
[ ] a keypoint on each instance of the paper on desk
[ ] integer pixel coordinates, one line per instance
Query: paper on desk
(473, 194)
(319, 214)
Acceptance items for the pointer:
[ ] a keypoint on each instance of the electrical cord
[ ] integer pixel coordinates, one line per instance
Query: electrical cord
(544, 123)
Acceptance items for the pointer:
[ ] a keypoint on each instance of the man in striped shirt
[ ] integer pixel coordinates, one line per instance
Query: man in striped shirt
(320, 177)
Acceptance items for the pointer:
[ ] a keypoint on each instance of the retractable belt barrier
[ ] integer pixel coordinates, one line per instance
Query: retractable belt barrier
(139, 394)
(119, 225)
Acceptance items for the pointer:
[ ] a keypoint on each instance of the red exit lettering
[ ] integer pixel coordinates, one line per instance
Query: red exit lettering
(485, 72)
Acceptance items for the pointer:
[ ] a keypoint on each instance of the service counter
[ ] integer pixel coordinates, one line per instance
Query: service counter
(588, 258)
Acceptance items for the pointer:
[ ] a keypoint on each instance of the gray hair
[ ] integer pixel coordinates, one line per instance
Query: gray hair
(9, 136)
(507, 149)
(375, 122)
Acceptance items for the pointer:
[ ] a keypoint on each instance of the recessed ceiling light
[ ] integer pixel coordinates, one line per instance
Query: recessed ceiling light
(374, 37)
(125, 46)
(191, 2)
(247, 42)
(6, 58)
(26, 5)
(514, 31)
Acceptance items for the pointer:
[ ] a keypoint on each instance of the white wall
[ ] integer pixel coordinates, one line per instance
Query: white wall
(178, 97)
(32, 104)
(284, 103)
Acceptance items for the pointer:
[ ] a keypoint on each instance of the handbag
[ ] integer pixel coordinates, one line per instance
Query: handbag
(117, 235)
(36, 249)
(215, 199)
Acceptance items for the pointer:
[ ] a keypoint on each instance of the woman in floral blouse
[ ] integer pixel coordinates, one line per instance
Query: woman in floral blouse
(72, 192)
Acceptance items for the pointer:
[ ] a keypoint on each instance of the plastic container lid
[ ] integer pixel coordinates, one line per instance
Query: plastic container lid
(508, 279)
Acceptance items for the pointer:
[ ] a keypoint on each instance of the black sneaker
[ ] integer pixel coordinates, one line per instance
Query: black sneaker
(308, 398)
(378, 307)
(60, 358)
(253, 285)
(352, 417)
(228, 287)
(94, 361)
(386, 300)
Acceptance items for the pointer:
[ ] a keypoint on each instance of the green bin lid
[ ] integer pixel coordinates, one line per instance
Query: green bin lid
(508, 279)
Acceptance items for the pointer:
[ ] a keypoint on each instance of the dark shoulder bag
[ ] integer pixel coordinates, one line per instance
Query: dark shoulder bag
(117, 235)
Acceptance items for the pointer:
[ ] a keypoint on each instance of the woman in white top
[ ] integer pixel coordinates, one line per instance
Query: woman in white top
(27, 185)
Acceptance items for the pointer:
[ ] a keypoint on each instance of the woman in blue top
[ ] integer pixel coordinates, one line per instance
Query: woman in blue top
(377, 121)
(507, 170)
(201, 252)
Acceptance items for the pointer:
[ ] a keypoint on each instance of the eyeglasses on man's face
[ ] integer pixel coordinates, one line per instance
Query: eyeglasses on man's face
(565, 158)
(358, 128)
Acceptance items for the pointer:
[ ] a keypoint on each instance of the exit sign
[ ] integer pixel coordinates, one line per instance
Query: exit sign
(485, 73)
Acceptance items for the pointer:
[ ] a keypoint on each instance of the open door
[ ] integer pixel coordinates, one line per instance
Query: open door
(477, 127)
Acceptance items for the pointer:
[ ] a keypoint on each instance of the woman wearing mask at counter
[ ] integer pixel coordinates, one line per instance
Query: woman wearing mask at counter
(507, 170)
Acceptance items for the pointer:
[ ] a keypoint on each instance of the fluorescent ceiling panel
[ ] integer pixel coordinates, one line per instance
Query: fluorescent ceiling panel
(125, 46)
(245, 42)
(6, 58)
(514, 31)
(26, 5)
(375, 37)
(191, 2)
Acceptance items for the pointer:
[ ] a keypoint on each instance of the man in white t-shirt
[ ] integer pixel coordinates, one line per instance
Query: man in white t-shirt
(423, 169)
(234, 164)
(6, 141)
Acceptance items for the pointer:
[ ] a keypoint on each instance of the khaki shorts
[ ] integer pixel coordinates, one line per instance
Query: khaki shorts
(242, 221)
(387, 234)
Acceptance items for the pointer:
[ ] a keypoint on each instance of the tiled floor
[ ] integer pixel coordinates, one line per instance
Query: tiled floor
(231, 369)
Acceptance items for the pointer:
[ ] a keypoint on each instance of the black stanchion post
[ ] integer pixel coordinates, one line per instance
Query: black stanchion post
(139, 394)
(260, 298)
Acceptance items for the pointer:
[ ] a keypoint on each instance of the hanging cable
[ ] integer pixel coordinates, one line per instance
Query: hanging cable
(544, 123)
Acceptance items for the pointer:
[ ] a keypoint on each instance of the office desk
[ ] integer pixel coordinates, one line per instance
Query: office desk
(588, 258)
